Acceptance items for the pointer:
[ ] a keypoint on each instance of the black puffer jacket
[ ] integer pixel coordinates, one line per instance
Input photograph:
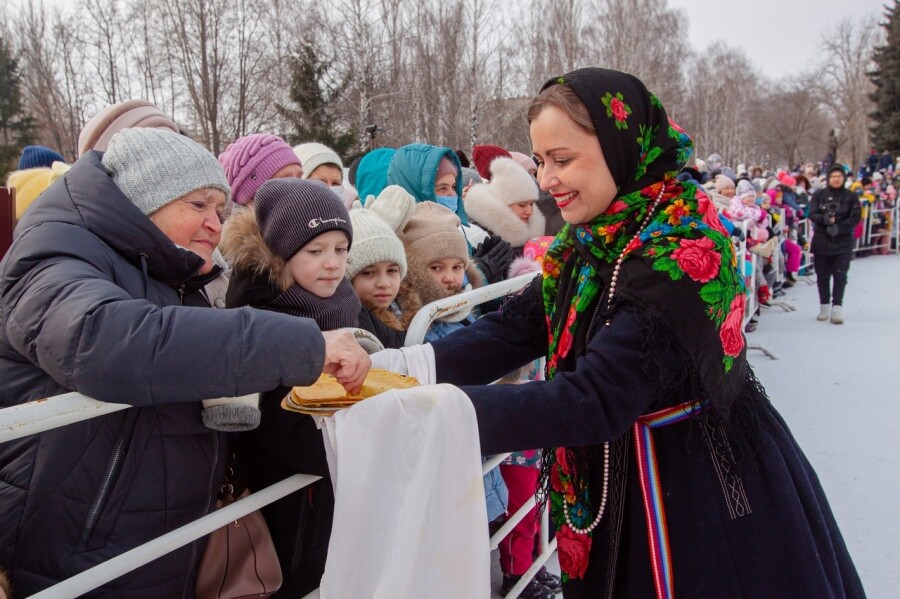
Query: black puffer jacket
(91, 295)
(839, 239)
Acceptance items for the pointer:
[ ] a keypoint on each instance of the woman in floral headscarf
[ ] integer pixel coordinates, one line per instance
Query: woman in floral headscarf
(674, 474)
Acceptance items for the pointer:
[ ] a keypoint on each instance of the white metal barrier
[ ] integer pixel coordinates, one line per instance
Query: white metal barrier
(46, 414)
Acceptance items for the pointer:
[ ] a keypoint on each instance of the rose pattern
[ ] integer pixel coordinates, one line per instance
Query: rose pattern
(731, 332)
(698, 258)
(574, 551)
(617, 109)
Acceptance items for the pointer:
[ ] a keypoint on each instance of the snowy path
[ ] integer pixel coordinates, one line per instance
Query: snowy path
(838, 388)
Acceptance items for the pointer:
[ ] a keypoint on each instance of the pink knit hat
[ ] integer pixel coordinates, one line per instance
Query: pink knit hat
(526, 162)
(252, 160)
(723, 182)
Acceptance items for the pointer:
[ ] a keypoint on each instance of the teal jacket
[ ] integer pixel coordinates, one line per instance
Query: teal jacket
(371, 174)
(414, 167)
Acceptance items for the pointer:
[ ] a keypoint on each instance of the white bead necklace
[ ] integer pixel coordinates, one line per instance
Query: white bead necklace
(612, 290)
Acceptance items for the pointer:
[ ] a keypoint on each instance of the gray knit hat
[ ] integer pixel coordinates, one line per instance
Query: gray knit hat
(373, 241)
(293, 212)
(153, 167)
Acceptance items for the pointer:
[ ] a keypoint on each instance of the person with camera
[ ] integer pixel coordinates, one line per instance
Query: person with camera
(834, 212)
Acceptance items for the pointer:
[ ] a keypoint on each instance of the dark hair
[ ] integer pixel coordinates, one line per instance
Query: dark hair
(463, 159)
(561, 96)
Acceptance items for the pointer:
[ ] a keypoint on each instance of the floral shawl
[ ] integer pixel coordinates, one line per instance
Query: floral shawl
(681, 270)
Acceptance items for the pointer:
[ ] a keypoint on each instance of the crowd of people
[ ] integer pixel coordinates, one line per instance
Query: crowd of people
(200, 289)
(811, 218)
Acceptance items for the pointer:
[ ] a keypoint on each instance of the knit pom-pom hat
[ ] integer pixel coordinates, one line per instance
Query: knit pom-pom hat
(252, 160)
(483, 155)
(373, 242)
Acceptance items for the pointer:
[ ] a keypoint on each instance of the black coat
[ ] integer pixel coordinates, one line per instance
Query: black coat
(92, 296)
(764, 530)
(847, 211)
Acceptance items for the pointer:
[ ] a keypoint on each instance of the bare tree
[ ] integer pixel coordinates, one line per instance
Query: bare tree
(724, 87)
(106, 33)
(845, 85)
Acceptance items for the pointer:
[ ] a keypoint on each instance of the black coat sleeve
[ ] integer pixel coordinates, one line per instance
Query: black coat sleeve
(612, 384)
(70, 318)
(496, 343)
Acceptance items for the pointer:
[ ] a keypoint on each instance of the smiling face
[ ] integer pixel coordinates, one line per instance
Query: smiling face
(571, 166)
(321, 264)
(378, 284)
(194, 222)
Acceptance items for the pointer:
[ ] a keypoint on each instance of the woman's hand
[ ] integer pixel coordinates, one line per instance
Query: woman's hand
(346, 360)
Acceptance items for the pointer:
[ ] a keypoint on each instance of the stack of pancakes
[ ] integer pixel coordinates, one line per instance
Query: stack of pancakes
(327, 396)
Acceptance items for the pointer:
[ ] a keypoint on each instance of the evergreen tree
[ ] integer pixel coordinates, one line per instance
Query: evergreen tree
(315, 117)
(886, 77)
(15, 125)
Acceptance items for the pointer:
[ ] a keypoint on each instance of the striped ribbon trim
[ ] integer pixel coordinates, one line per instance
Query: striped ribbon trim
(657, 530)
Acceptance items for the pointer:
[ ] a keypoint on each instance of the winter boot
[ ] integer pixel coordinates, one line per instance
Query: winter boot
(824, 312)
(836, 315)
(533, 590)
(549, 580)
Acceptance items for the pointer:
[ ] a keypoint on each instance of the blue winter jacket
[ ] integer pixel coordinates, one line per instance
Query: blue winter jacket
(414, 167)
(91, 296)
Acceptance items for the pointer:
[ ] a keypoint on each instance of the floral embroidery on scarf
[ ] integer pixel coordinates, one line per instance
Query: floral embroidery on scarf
(683, 241)
(617, 108)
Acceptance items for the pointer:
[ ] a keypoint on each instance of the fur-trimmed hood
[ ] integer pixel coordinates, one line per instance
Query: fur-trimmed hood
(485, 209)
(246, 251)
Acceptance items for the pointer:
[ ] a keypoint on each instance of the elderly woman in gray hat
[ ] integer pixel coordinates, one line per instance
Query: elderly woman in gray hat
(102, 294)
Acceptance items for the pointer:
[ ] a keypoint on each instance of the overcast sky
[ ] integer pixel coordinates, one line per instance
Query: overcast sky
(779, 36)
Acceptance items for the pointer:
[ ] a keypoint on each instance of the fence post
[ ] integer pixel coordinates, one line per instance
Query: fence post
(7, 218)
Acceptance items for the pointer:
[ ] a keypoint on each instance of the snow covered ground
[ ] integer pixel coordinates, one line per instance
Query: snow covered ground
(837, 387)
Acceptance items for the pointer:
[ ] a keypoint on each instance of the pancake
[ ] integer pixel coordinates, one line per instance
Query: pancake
(328, 393)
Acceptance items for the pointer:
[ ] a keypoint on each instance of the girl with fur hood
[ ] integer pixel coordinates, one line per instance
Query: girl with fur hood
(505, 206)
(438, 260)
(289, 255)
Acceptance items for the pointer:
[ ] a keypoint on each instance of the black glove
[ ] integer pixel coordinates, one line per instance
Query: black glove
(493, 257)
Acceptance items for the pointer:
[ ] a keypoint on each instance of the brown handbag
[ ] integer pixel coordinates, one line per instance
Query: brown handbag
(240, 560)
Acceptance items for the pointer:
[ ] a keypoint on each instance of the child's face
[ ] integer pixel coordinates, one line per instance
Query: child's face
(378, 284)
(448, 273)
(523, 210)
(749, 200)
(321, 264)
(329, 174)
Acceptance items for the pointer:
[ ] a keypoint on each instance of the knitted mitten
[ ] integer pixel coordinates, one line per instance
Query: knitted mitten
(232, 414)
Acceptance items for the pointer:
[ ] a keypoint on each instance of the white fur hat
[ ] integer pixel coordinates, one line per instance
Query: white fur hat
(511, 183)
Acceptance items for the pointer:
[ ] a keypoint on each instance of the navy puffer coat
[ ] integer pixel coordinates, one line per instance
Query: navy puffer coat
(91, 300)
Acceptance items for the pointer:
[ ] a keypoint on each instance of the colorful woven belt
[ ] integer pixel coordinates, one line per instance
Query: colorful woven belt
(657, 532)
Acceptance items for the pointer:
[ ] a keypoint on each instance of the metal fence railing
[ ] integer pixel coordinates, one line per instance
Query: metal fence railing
(46, 414)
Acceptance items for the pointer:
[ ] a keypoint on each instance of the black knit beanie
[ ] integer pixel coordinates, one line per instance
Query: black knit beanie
(292, 212)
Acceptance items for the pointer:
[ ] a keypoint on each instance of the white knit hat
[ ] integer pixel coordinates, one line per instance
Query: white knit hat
(154, 167)
(313, 155)
(511, 183)
(373, 241)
